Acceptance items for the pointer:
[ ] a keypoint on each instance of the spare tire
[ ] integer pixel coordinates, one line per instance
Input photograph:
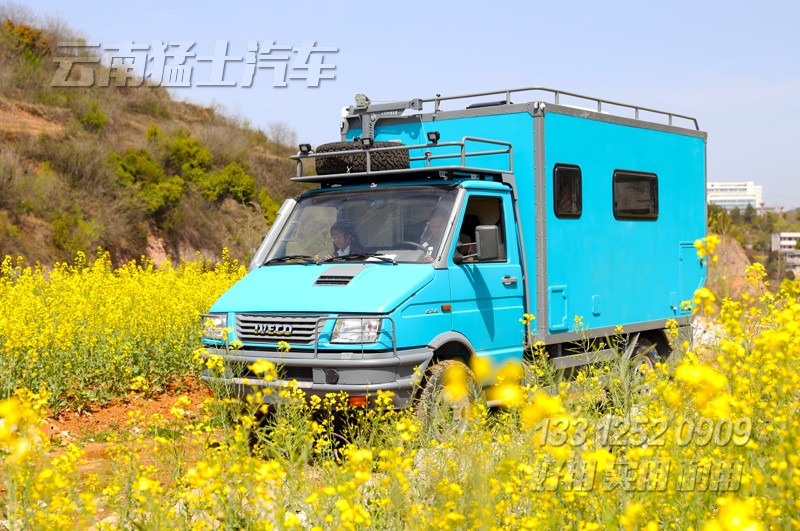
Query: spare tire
(357, 162)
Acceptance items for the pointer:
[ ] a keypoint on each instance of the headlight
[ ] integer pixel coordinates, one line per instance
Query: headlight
(213, 324)
(356, 331)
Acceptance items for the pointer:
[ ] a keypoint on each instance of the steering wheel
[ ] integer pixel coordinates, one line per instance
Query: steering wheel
(414, 245)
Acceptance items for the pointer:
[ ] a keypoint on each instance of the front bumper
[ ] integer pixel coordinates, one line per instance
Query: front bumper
(320, 373)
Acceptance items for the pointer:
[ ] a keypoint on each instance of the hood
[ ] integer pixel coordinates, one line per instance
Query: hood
(338, 288)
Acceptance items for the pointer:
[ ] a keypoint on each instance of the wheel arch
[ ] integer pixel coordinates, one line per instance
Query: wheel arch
(451, 346)
(659, 338)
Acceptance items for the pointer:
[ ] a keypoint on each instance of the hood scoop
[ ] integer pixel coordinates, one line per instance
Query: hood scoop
(339, 275)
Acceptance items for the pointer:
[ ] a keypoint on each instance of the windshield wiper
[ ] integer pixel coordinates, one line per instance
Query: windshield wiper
(305, 259)
(359, 256)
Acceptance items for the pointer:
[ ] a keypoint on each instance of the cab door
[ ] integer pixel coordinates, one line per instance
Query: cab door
(487, 296)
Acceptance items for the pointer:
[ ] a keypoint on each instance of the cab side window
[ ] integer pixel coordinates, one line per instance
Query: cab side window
(481, 211)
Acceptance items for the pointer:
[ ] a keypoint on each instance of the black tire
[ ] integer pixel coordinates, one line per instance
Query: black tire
(441, 414)
(643, 360)
(645, 353)
(357, 162)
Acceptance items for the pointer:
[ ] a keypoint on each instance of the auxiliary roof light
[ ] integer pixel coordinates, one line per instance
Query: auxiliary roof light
(367, 143)
(305, 149)
(434, 136)
(362, 101)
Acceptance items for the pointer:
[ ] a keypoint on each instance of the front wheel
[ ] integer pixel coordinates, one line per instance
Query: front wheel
(449, 398)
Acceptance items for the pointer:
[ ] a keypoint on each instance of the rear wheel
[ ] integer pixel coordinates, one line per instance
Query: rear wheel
(645, 355)
(449, 398)
(642, 362)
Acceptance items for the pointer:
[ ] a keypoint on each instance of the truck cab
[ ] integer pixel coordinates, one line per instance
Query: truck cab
(431, 234)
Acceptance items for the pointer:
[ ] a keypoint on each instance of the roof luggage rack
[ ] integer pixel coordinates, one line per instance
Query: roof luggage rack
(554, 96)
(431, 152)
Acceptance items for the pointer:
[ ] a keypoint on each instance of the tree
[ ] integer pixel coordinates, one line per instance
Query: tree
(281, 133)
(736, 216)
(749, 214)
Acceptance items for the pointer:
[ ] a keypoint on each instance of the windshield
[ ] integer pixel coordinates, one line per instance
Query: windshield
(402, 224)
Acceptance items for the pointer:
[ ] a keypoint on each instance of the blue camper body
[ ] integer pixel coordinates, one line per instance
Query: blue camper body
(582, 218)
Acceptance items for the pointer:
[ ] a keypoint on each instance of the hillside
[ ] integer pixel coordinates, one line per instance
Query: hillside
(726, 275)
(127, 168)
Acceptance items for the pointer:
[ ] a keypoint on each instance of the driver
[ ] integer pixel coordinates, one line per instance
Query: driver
(344, 240)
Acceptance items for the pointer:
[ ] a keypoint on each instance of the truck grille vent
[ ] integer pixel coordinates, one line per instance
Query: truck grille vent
(263, 328)
(339, 275)
(331, 280)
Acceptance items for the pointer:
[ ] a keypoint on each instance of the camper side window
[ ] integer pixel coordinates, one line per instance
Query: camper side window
(567, 200)
(635, 195)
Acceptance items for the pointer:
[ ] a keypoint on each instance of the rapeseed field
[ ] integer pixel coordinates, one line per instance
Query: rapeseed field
(708, 440)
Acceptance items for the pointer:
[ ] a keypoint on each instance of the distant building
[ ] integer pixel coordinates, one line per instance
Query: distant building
(734, 195)
(785, 244)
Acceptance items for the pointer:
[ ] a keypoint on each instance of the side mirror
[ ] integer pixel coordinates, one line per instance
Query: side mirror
(487, 240)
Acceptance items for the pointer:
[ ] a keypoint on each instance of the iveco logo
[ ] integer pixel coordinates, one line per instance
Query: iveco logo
(271, 329)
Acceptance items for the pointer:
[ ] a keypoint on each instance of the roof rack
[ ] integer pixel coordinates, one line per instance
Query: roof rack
(431, 152)
(555, 95)
(433, 173)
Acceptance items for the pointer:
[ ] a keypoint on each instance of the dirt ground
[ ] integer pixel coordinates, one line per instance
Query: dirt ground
(71, 426)
(17, 119)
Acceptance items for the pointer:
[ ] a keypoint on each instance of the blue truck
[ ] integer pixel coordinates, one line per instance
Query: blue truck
(452, 224)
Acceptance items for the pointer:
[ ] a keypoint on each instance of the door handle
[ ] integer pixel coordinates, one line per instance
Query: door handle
(507, 280)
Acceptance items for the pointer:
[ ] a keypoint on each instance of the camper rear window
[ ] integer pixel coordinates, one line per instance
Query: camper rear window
(635, 195)
(567, 199)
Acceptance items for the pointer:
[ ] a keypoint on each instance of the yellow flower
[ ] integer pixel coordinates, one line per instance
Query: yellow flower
(705, 247)
(506, 394)
(734, 515)
(631, 516)
(703, 298)
(454, 380)
(755, 273)
(481, 367)
(262, 367)
(543, 406)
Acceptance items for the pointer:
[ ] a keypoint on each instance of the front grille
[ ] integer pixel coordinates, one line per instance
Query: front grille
(262, 328)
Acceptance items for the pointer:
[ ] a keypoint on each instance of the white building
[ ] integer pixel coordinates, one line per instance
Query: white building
(732, 195)
(785, 243)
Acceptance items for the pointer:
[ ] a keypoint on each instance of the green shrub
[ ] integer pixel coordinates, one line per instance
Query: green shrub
(73, 233)
(187, 155)
(137, 166)
(268, 206)
(93, 119)
(232, 181)
(163, 196)
(138, 169)
(153, 134)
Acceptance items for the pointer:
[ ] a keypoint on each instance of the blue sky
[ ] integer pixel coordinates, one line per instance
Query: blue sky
(733, 65)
